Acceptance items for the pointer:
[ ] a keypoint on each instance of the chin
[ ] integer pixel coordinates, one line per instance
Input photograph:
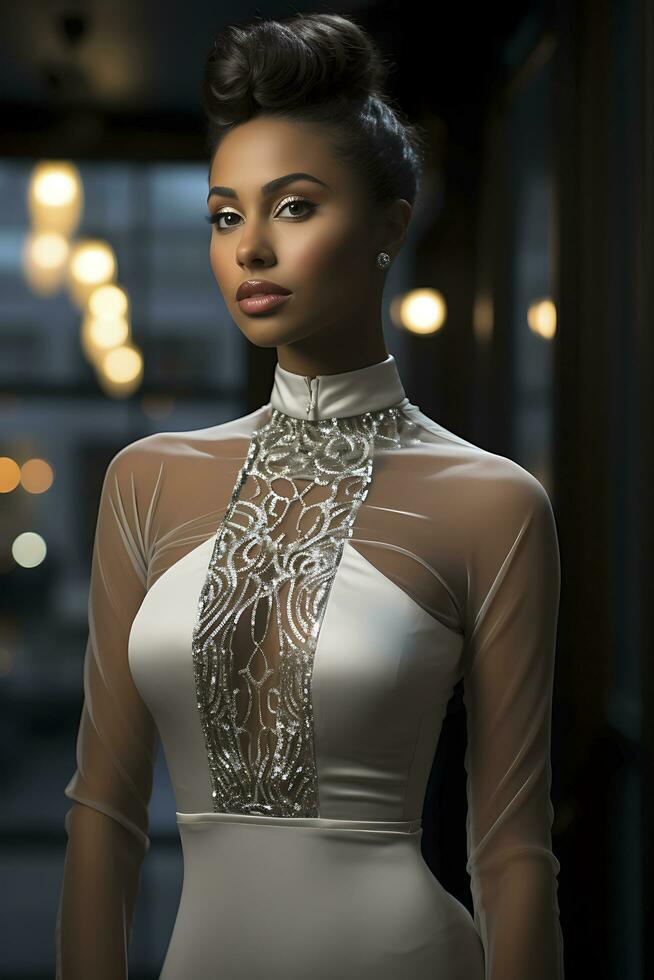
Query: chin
(268, 330)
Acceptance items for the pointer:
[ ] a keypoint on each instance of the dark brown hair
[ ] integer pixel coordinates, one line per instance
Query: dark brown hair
(316, 68)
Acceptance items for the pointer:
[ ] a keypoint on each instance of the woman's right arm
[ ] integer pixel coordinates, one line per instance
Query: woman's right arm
(107, 826)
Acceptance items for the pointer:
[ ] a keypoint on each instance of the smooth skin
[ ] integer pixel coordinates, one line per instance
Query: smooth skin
(326, 255)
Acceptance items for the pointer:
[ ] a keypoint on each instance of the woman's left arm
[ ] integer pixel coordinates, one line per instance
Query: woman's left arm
(513, 581)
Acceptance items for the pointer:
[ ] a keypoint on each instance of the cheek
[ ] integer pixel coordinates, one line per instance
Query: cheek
(324, 253)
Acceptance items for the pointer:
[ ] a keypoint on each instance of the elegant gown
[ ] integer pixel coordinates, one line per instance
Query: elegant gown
(287, 600)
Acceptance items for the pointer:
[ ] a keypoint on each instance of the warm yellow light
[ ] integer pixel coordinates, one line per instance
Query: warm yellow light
(49, 250)
(9, 474)
(99, 335)
(483, 315)
(422, 311)
(92, 264)
(122, 364)
(36, 475)
(28, 549)
(541, 318)
(55, 188)
(106, 323)
(55, 197)
(108, 301)
(44, 259)
(109, 333)
(120, 371)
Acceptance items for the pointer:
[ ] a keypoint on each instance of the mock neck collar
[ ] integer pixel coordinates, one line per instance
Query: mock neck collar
(349, 393)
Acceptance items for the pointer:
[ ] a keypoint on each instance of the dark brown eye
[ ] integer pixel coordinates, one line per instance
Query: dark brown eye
(298, 201)
(308, 206)
(215, 218)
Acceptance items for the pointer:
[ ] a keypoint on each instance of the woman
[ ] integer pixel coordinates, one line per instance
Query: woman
(289, 598)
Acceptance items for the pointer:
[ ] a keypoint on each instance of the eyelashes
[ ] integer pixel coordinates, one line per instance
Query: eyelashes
(214, 219)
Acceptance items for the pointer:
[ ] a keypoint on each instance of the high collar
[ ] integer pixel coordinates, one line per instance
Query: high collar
(325, 396)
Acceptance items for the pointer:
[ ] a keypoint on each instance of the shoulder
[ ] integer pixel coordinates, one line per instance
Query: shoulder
(155, 451)
(161, 478)
(484, 484)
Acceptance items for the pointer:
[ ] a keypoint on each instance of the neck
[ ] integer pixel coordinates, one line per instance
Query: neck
(368, 388)
(332, 362)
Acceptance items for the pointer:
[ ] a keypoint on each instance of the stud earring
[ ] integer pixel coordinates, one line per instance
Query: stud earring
(383, 260)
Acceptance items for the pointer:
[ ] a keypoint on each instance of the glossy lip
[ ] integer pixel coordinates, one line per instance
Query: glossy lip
(253, 286)
(261, 303)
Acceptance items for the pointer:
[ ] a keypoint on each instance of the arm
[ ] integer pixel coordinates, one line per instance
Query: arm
(512, 612)
(108, 822)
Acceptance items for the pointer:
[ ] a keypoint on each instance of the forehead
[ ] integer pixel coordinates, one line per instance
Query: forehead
(261, 149)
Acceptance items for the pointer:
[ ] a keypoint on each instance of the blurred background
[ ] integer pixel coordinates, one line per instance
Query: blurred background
(520, 314)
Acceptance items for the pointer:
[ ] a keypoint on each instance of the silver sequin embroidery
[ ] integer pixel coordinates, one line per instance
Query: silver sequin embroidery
(274, 558)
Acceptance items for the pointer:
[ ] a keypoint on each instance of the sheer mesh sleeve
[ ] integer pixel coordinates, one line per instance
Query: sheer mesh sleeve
(512, 611)
(108, 823)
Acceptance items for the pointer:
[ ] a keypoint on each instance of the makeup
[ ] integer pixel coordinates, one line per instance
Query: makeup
(261, 302)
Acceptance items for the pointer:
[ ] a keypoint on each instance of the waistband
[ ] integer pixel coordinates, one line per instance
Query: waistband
(317, 823)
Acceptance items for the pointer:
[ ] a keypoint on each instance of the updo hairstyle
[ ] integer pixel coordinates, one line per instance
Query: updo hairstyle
(316, 68)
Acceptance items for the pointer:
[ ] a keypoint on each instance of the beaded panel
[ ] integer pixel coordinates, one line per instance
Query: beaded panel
(274, 558)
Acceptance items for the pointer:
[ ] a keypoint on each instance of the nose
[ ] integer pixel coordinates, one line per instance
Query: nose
(253, 249)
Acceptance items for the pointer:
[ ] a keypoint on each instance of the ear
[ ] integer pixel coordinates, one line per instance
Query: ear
(395, 226)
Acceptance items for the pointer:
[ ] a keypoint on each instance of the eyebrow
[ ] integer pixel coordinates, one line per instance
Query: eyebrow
(271, 186)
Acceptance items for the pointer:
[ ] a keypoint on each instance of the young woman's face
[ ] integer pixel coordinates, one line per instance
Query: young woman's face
(317, 238)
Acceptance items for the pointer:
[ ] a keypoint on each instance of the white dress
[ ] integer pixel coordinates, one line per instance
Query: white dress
(287, 600)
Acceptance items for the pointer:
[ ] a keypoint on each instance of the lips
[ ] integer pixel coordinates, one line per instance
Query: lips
(253, 286)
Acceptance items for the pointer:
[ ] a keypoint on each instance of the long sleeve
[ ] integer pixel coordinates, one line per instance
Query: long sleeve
(107, 826)
(513, 579)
